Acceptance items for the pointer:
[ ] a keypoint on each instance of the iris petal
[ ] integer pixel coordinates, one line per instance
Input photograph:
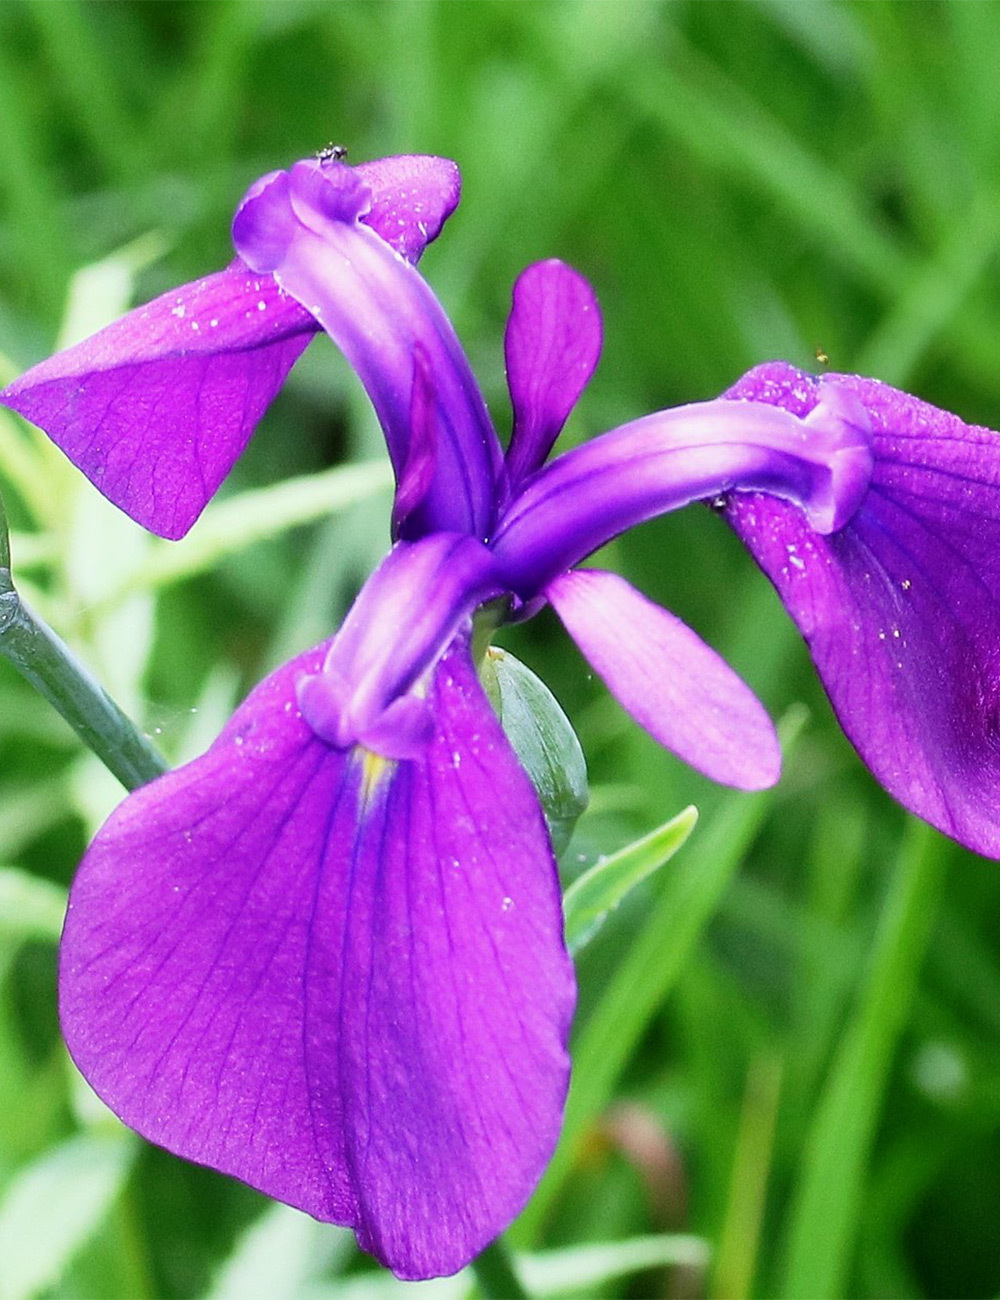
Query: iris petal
(413, 195)
(552, 345)
(156, 408)
(901, 608)
(341, 980)
(661, 671)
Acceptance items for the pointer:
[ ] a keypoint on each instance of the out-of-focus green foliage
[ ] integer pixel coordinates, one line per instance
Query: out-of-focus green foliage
(788, 1043)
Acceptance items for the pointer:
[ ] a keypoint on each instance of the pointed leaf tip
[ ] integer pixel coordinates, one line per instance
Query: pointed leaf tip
(543, 740)
(600, 890)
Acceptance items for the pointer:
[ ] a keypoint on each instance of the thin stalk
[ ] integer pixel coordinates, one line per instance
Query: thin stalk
(48, 664)
(45, 661)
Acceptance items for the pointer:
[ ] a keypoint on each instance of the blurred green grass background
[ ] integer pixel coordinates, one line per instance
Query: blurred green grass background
(789, 1043)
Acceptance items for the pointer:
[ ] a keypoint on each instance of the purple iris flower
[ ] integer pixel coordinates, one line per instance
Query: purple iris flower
(327, 956)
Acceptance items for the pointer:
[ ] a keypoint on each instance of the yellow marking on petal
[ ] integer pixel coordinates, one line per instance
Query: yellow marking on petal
(374, 769)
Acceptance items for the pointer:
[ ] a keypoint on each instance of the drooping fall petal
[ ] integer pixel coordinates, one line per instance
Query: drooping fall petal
(662, 672)
(156, 407)
(340, 979)
(901, 607)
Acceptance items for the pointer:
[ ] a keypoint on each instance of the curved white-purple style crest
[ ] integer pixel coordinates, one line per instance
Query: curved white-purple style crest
(156, 408)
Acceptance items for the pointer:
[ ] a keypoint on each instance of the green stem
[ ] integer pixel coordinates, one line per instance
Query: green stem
(54, 671)
(495, 1275)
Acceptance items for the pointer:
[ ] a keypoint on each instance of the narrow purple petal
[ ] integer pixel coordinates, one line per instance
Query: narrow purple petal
(901, 608)
(662, 672)
(371, 688)
(303, 226)
(413, 195)
(341, 981)
(821, 462)
(552, 345)
(156, 408)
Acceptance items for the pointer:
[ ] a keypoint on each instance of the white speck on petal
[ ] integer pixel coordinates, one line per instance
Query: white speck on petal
(180, 310)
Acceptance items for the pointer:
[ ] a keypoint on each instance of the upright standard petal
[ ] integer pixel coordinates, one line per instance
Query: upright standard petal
(552, 345)
(304, 227)
(662, 672)
(339, 979)
(901, 608)
(820, 461)
(156, 408)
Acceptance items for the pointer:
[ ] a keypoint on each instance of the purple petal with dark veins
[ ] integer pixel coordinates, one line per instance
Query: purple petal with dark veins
(303, 227)
(401, 623)
(588, 495)
(552, 345)
(662, 672)
(901, 608)
(341, 981)
(156, 407)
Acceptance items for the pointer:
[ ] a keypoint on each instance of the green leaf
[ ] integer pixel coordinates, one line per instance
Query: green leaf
(568, 1270)
(578, 1267)
(542, 738)
(30, 908)
(827, 1211)
(279, 1255)
(598, 891)
(101, 292)
(54, 1205)
(230, 526)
